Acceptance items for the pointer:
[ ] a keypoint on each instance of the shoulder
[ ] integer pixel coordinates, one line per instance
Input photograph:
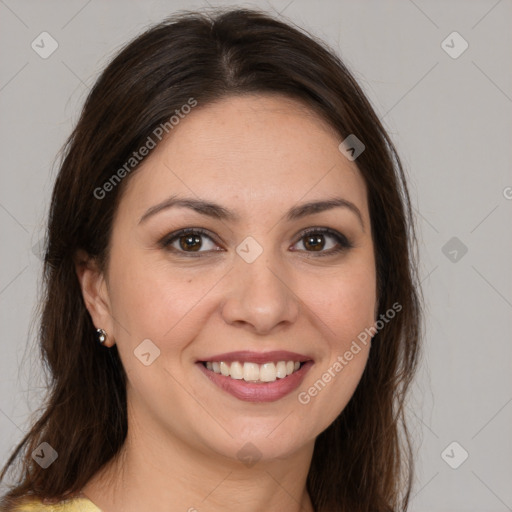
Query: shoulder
(71, 505)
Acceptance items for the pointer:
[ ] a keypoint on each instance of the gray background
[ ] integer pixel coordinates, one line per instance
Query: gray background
(451, 120)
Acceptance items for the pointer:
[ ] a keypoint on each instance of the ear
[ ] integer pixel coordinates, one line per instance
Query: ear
(95, 293)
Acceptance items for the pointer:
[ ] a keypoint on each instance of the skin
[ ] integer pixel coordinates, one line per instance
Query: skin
(259, 155)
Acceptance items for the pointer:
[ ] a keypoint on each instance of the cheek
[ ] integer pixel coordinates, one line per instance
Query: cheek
(356, 305)
(346, 309)
(140, 296)
(152, 300)
(344, 302)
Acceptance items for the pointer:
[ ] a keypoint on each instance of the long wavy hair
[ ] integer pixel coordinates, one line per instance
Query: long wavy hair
(364, 460)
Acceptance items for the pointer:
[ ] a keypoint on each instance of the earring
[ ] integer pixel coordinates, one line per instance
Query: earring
(102, 335)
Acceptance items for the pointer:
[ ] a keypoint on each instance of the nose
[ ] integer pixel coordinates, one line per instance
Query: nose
(260, 296)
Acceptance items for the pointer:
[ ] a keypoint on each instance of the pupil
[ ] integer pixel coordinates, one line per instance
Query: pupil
(311, 240)
(189, 241)
(193, 242)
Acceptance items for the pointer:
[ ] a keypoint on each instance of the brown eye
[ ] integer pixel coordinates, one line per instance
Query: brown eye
(196, 241)
(189, 241)
(192, 242)
(314, 240)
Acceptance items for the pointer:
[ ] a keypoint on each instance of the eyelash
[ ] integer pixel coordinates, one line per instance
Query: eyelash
(343, 243)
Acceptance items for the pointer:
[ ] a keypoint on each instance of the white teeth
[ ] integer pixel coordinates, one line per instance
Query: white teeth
(268, 372)
(224, 369)
(281, 370)
(253, 372)
(236, 371)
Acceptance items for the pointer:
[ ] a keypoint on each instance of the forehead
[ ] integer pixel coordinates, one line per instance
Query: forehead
(252, 152)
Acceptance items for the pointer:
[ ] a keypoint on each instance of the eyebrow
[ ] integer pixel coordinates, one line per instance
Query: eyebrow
(219, 212)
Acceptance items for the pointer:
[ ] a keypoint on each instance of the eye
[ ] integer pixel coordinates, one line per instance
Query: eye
(188, 240)
(313, 240)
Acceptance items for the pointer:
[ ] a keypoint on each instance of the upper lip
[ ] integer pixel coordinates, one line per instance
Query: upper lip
(258, 357)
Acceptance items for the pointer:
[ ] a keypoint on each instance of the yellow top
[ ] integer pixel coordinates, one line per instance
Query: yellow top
(70, 505)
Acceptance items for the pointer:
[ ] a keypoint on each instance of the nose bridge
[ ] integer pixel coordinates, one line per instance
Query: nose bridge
(260, 294)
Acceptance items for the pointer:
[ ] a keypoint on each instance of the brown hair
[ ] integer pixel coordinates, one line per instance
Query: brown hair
(361, 462)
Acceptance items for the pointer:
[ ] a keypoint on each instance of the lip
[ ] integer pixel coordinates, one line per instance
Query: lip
(259, 391)
(247, 356)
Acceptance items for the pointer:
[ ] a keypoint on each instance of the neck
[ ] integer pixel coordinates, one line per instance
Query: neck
(161, 473)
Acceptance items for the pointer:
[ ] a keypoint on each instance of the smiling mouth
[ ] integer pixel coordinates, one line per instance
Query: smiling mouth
(254, 372)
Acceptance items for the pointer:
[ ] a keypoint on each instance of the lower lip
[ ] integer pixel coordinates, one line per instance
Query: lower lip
(258, 391)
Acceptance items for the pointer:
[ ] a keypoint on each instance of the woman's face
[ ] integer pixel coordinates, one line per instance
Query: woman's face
(252, 287)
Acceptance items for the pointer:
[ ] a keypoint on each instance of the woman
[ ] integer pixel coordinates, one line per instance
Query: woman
(231, 314)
